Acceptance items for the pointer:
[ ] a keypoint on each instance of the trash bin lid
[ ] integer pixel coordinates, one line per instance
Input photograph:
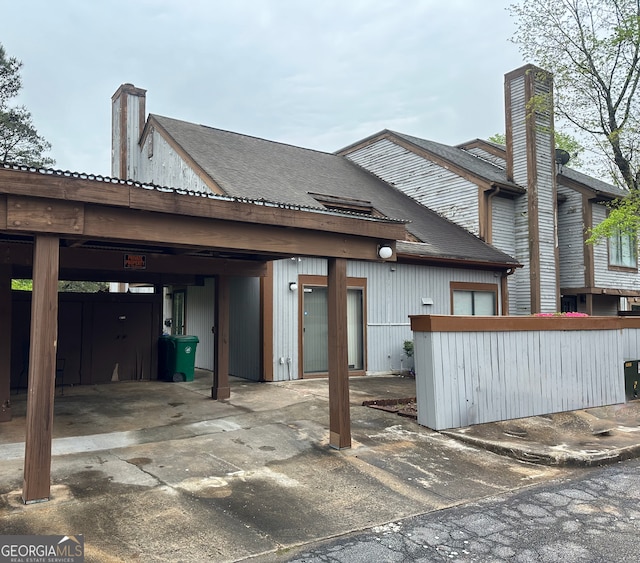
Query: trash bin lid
(186, 338)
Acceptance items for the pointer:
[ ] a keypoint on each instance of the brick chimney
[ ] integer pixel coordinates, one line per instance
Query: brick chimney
(127, 122)
(531, 164)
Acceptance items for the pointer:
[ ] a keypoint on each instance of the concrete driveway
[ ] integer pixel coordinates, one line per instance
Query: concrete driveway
(152, 471)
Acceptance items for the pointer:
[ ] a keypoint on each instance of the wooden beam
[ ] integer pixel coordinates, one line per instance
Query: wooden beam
(220, 389)
(82, 189)
(203, 206)
(78, 191)
(44, 215)
(5, 343)
(339, 414)
(83, 258)
(199, 232)
(42, 369)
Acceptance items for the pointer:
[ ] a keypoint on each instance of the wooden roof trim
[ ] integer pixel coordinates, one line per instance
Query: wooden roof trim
(117, 193)
(453, 323)
(202, 174)
(615, 292)
(485, 146)
(406, 258)
(583, 189)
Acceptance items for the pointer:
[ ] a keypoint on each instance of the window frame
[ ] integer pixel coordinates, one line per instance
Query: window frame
(633, 240)
(473, 288)
(321, 281)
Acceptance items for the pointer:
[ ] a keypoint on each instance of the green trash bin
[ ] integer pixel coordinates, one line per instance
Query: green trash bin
(631, 379)
(183, 356)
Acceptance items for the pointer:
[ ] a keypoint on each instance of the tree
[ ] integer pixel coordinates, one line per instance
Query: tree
(563, 141)
(20, 142)
(592, 47)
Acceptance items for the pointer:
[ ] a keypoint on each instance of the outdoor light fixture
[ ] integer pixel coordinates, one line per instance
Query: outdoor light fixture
(385, 252)
(293, 286)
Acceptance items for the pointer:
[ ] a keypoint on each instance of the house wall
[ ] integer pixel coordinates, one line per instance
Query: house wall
(200, 317)
(165, 166)
(533, 167)
(570, 239)
(604, 277)
(503, 237)
(134, 104)
(393, 292)
(426, 182)
(244, 328)
(547, 206)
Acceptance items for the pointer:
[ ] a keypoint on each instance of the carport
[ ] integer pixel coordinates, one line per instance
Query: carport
(60, 225)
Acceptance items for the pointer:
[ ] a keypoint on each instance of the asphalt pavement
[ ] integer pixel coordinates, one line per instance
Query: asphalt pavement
(153, 471)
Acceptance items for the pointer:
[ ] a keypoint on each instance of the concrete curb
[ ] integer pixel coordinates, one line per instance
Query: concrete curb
(541, 455)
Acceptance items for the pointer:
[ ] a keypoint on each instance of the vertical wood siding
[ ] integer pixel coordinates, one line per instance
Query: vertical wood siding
(244, 328)
(545, 224)
(285, 313)
(570, 239)
(166, 167)
(604, 277)
(520, 287)
(432, 185)
(394, 291)
(200, 317)
(465, 378)
(547, 233)
(503, 237)
(116, 138)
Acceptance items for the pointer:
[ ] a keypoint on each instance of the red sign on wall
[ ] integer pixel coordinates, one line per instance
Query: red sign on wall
(135, 262)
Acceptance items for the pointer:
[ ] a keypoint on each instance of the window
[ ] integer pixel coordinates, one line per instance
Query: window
(314, 301)
(623, 250)
(474, 299)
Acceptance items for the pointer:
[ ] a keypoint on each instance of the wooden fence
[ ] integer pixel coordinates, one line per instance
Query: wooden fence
(471, 370)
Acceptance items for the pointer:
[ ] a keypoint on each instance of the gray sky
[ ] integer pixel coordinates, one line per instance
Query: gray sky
(320, 74)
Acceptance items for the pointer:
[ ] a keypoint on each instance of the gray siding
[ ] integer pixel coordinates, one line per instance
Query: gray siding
(503, 237)
(244, 328)
(394, 291)
(545, 185)
(165, 167)
(200, 317)
(521, 281)
(132, 132)
(548, 238)
(115, 137)
(570, 239)
(432, 185)
(465, 378)
(604, 277)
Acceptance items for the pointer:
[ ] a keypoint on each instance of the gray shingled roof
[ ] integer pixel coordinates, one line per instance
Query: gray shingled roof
(477, 166)
(494, 173)
(250, 167)
(597, 186)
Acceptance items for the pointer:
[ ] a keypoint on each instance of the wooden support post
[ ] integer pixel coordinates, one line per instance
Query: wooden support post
(42, 369)
(5, 343)
(220, 389)
(339, 415)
